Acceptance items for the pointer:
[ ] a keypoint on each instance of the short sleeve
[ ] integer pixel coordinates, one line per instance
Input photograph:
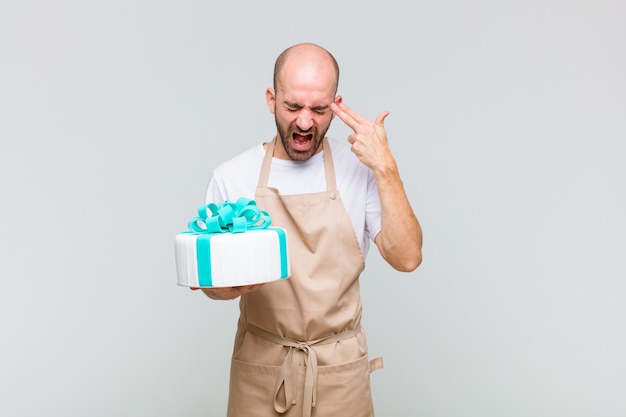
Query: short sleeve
(372, 213)
(214, 193)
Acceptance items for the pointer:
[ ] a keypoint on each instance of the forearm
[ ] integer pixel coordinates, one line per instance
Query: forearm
(400, 239)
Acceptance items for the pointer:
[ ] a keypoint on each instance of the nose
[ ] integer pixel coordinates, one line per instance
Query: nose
(305, 120)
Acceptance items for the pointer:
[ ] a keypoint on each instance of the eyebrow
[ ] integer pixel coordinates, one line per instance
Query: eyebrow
(314, 108)
(320, 107)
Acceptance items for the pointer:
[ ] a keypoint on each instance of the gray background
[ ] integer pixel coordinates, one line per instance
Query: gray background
(507, 121)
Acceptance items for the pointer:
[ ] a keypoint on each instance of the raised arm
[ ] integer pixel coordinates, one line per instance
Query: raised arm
(400, 238)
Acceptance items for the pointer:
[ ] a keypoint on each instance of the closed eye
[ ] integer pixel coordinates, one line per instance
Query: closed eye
(292, 108)
(320, 109)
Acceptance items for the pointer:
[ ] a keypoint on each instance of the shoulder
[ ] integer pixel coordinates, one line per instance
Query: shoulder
(236, 177)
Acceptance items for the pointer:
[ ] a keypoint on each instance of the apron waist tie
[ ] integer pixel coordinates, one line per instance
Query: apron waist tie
(288, 376)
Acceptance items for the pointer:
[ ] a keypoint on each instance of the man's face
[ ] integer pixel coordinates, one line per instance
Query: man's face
(301, 126)
(301, 108)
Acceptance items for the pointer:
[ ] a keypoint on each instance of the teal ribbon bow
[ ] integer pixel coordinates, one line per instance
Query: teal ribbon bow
(230, 217)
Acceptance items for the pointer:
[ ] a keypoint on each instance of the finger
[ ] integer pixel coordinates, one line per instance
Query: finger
(353, 114)
(345, 117)
(380, 119)
(222, 293)
(244, 289)
(249, 288)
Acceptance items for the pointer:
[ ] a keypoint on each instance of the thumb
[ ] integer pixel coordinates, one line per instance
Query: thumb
(380, 119)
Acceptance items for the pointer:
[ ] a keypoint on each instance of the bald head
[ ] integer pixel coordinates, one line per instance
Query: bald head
(304, 54)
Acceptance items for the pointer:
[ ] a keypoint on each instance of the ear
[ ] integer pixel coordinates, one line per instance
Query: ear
(270, 98)
(338, 101)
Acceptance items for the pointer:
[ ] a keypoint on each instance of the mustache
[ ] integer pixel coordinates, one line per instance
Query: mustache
(303, 132)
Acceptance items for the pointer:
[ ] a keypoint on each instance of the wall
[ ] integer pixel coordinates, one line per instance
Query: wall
(507, 121)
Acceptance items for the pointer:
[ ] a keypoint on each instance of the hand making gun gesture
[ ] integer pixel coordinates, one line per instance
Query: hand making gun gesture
(400, 238)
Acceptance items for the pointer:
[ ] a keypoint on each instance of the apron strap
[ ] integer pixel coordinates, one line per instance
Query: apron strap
(267, 162)
(329, 168)
(376, 364)
(288, 376)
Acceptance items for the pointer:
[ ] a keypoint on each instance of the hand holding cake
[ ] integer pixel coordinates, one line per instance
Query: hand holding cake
(229, 245)
(228, 293)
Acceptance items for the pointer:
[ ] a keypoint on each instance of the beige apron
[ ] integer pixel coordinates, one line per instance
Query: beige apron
(299, 348)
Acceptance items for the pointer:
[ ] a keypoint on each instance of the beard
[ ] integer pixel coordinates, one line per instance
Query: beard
(289, 134)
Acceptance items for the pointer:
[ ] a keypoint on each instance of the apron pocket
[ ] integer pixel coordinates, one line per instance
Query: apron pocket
(344, 390)
(252, 390)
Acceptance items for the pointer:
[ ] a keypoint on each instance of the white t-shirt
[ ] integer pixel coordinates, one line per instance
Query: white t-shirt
(239, 176)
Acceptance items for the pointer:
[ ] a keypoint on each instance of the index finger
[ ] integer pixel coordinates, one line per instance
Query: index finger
(347, 115)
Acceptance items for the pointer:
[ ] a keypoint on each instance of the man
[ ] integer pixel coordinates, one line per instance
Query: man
(299, 348)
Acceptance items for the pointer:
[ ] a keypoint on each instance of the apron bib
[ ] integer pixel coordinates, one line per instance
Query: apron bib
(299, 348)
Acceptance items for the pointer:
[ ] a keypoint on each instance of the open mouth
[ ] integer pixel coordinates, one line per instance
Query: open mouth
(302, 142)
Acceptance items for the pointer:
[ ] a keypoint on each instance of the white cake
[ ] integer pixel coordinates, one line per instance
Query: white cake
(232, 259)
(229, 245)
